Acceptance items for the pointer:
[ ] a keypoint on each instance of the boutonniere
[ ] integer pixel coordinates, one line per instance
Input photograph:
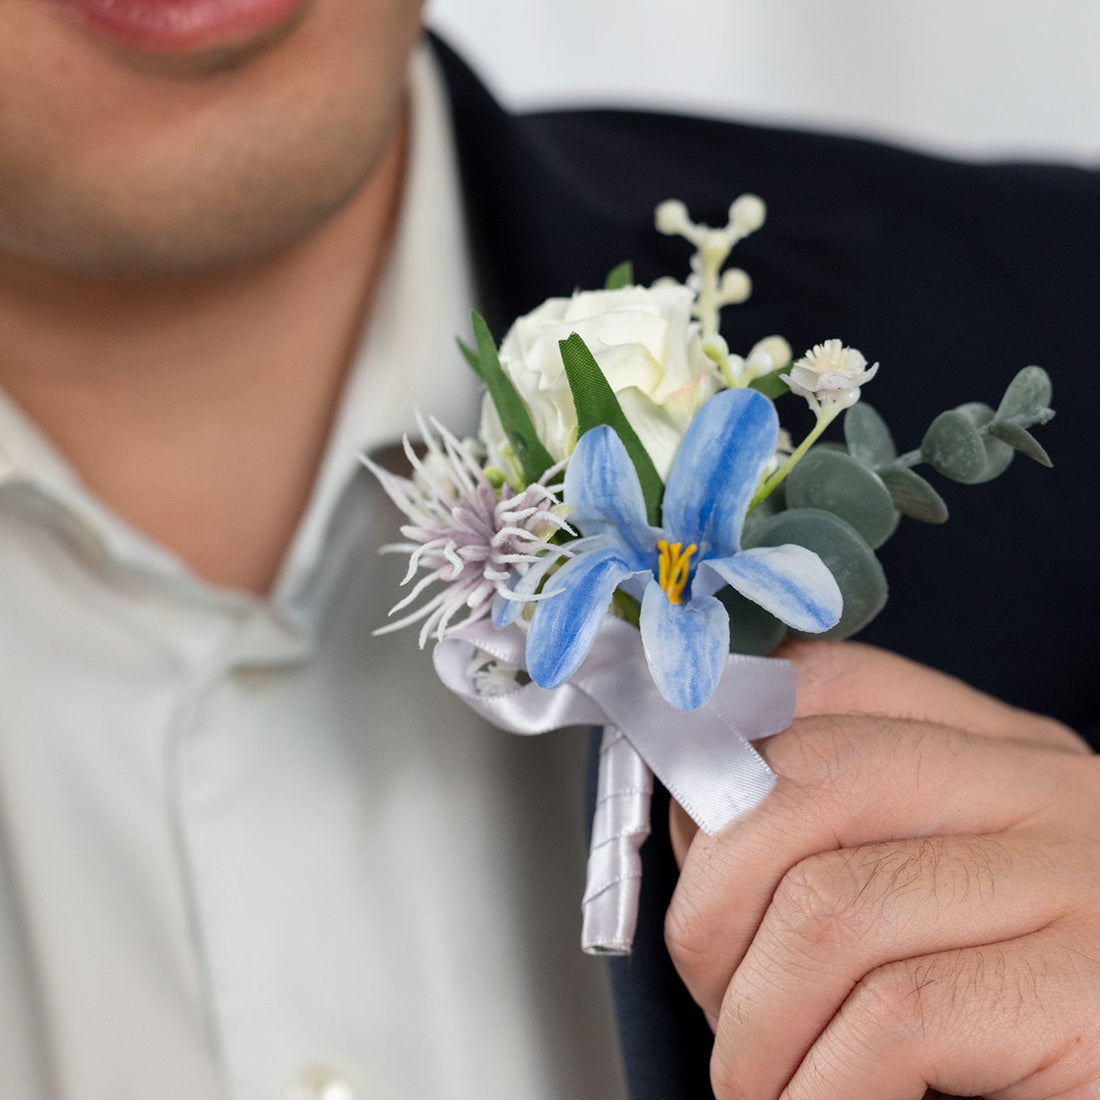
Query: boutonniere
(631, 533)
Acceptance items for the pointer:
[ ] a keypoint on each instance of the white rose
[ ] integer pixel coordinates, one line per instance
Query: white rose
(648, 347)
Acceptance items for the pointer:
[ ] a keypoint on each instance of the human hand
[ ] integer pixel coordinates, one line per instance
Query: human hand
(916, 905)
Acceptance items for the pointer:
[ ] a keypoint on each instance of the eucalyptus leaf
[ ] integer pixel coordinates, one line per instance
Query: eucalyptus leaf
(622, 275)
(998, 455)
(851, 561)
(954, 446)
(533, 457)
(1027, 397)
(752, 629)
(958, 449)
(1020, 439)
(596, 404)
(868, 438)
(836, 482)
(912, 495)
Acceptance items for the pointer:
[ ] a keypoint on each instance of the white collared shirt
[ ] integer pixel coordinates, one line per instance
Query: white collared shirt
(248, 850)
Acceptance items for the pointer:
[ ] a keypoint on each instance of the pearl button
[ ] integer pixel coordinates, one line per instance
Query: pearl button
(320, 1083)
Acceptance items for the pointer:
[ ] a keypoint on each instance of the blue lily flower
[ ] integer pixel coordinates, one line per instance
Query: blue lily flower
(674, 569)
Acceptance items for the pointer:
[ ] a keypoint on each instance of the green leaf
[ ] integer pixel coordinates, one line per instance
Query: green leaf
(1020, 439)
(596, 404)
(626, 607)
(1027, 397)
(868, 438)
(957, 447)
(912, 495)
(471, 358)
(836, 482)
(622, 275)
(533, 457)
(850, 560)
(770, 385)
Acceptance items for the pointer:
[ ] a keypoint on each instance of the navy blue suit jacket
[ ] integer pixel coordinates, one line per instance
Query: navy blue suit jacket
(952, 275)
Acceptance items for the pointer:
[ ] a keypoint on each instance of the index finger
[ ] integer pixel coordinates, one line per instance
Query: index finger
(854, 678)
(845, 782)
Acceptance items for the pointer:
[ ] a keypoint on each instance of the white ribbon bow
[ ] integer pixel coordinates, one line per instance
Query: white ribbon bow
(703, 756)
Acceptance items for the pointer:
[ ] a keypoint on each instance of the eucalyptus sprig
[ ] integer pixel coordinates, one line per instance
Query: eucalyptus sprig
(845, 502)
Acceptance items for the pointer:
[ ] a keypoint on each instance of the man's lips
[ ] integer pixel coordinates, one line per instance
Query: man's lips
(180, 25)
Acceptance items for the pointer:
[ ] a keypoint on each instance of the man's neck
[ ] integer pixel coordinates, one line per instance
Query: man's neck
(198, 408)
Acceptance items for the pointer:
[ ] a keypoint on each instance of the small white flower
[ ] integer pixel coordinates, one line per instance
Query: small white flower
(829, 376)
(491, 677)
(464, 533)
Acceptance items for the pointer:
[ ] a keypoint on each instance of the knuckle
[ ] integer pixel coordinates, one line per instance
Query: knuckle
(892, 1005)
(885, 1004)
(849, 899)
(818, 902)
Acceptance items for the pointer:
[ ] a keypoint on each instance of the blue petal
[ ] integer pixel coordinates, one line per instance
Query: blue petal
(686, 646)
(525, 584)
(790, 581)
(603, 494)
(717, 469)
(565, 623)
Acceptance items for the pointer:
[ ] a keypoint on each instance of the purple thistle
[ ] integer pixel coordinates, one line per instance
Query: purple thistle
(464, 533)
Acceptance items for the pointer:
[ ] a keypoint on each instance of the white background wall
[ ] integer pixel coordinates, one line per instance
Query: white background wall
(972, 77)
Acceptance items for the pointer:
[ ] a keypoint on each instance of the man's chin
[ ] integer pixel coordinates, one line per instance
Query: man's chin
(160, 247)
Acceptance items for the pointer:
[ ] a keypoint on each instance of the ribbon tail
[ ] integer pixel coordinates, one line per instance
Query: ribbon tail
(620, 826)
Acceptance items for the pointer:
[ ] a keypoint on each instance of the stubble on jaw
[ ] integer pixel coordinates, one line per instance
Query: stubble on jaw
(232, 204)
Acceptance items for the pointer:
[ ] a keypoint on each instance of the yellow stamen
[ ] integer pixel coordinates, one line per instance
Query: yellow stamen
(673, 567)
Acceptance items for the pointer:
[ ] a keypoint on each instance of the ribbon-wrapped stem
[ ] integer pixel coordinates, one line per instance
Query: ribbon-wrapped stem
(620, 825)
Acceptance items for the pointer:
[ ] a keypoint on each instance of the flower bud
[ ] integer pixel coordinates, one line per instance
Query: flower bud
(671, 218)
(735, 287)
(747, 214)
